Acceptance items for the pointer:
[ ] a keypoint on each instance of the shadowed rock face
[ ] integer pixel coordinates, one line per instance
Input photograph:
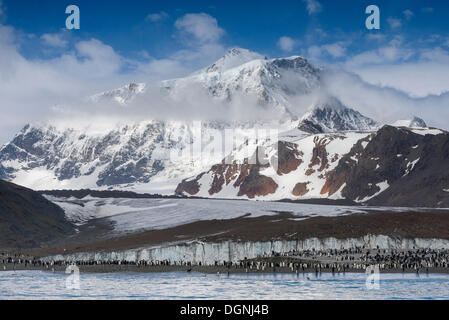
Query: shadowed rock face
(289, 158)
(255, 185)
(415, 167)
(191, 187)
(319, 156)
(425, 185)
(29, 220)
(310, 127)
(300, 189)
(418, 123)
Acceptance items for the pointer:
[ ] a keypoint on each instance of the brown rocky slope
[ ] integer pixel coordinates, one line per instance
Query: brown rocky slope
(28, 220)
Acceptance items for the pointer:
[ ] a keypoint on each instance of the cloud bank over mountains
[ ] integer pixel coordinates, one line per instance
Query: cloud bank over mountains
(388, 83)
(31, 87)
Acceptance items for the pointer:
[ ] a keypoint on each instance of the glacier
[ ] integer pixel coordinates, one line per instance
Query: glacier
(197, 252)
(135, 215)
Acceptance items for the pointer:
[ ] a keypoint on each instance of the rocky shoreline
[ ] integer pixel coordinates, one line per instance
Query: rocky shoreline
(211, 270)
(214, 270)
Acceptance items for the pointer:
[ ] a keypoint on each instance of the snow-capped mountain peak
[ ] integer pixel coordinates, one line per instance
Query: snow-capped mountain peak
(121, 95)
(233, 58)
(327, 102)
(328, 114)
(415, 122)
(271, 83)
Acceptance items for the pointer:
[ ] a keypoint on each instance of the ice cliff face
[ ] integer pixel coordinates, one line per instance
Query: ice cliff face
(208, 253)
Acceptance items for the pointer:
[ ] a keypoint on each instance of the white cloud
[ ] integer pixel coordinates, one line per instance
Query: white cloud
(286, 44)
(314, 52)
(157, 17)
(313, 6)
(417, 69)
(30, 88)
(437, 55)
(334, 50)
(387, 104)
(394, 22)
(201, 26)
(390, 53)
(375, 57)
(54, 40)
(164, 68)
(408, 14)
(205, 53)
(427, 10)
(416, 79)
(417, 72)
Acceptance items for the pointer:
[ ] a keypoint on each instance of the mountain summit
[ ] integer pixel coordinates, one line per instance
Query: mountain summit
(270, 83)
(233, 58)
(121, 95)
(330, 115)
(415, 122)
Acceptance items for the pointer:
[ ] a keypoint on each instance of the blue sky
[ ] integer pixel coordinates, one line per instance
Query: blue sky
(256, 25)
(42, 64)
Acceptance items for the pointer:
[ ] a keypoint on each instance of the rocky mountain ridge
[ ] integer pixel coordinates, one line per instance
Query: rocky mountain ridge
(308, 159)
